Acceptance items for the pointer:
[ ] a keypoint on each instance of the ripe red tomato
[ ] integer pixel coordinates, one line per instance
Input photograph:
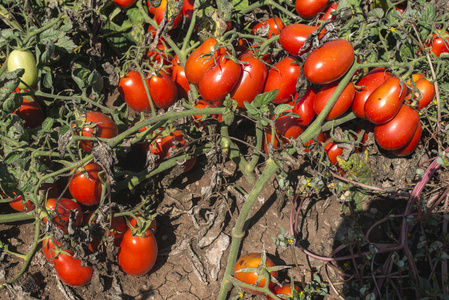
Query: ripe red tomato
(132, 89)
(288, 127)
(275, 26)
(178, 75)
(283, 76)
(342, 104)
(411, 146)
(293, 36)
(31, 113)
(104, 128)
(219, 79)
(428, 92)
(197, 63)
(48, 248)
(327, 13)
(252, 81)
(329, 62)
(284, 291)
(124, 4)
(158, 55)
(163, 90)
(308, 9)
(333, 151)
(61, 212)
(252, 260)
(159, 13)
(155, 146)
(70, 271)
(187, 8)
(398, 132)
(385, 101)
(304, 107)
(203, 104)
(369, 83)
(48, 189)
(85, 185)
(440, 44)
(137, 254)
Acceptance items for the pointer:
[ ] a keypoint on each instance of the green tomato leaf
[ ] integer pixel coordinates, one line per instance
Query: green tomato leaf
(9, 82)
(375, 14)
(281, 108)
(240, 4)
(265, 98)
(225, 9)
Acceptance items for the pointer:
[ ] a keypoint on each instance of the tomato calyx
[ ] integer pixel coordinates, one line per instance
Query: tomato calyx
(141, 223)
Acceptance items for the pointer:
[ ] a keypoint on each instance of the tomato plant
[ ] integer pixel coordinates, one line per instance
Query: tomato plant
(399, 131)
(282, 76)
(440, 43)
(288, 127)
(70, 270)
(200, 60)
(23, 59)
(85, 185)
(385, 101)
(368, 84)
(293, 36)
(410, 146)
(333, 151)
(309, 9)
(342, 104)
(253, 260)
(178, 75)
(48, 248)
(252, 81)
(137, 253)
(329, 62)
(61, 210)
(304, 107)
(175, 141)
(219, 79)
(203, 104)
(159, 13)
(31, 113)
(20, 204)
(187, 8)
(426, 93)
(327, 13)
(275, 26)
(103, 127)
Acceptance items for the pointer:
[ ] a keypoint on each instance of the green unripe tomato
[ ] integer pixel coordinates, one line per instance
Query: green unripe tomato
(23, 59)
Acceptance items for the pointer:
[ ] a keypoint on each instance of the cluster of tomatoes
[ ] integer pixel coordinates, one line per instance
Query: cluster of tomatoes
(249, 269)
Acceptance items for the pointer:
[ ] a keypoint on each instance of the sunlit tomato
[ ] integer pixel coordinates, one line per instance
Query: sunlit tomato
(440, 43)
(178, 75)
(198, 62)
(85, 185)
(293, 36)
(284, 291)
(23, 59)
(327, 13)
(159, 13)
(48, 248)
(31, 113)
(385, 101)
(163, 90)
(132, 89)
(333, 151)
(124, 4)
(137, 254)
(219, 79)
(61, 211)
(283, 76)
(203, 104)
(329, 62)
(252, 81)
(275, 26)
(70, 270)
(103, 127)
(410, 146)
(304, 107)
(50, 190)
(428, 92)
(252, 260)
(173, 142)
(308, 9)
(187, 8)
(342, 104)
(368, 84)
(399, 131)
